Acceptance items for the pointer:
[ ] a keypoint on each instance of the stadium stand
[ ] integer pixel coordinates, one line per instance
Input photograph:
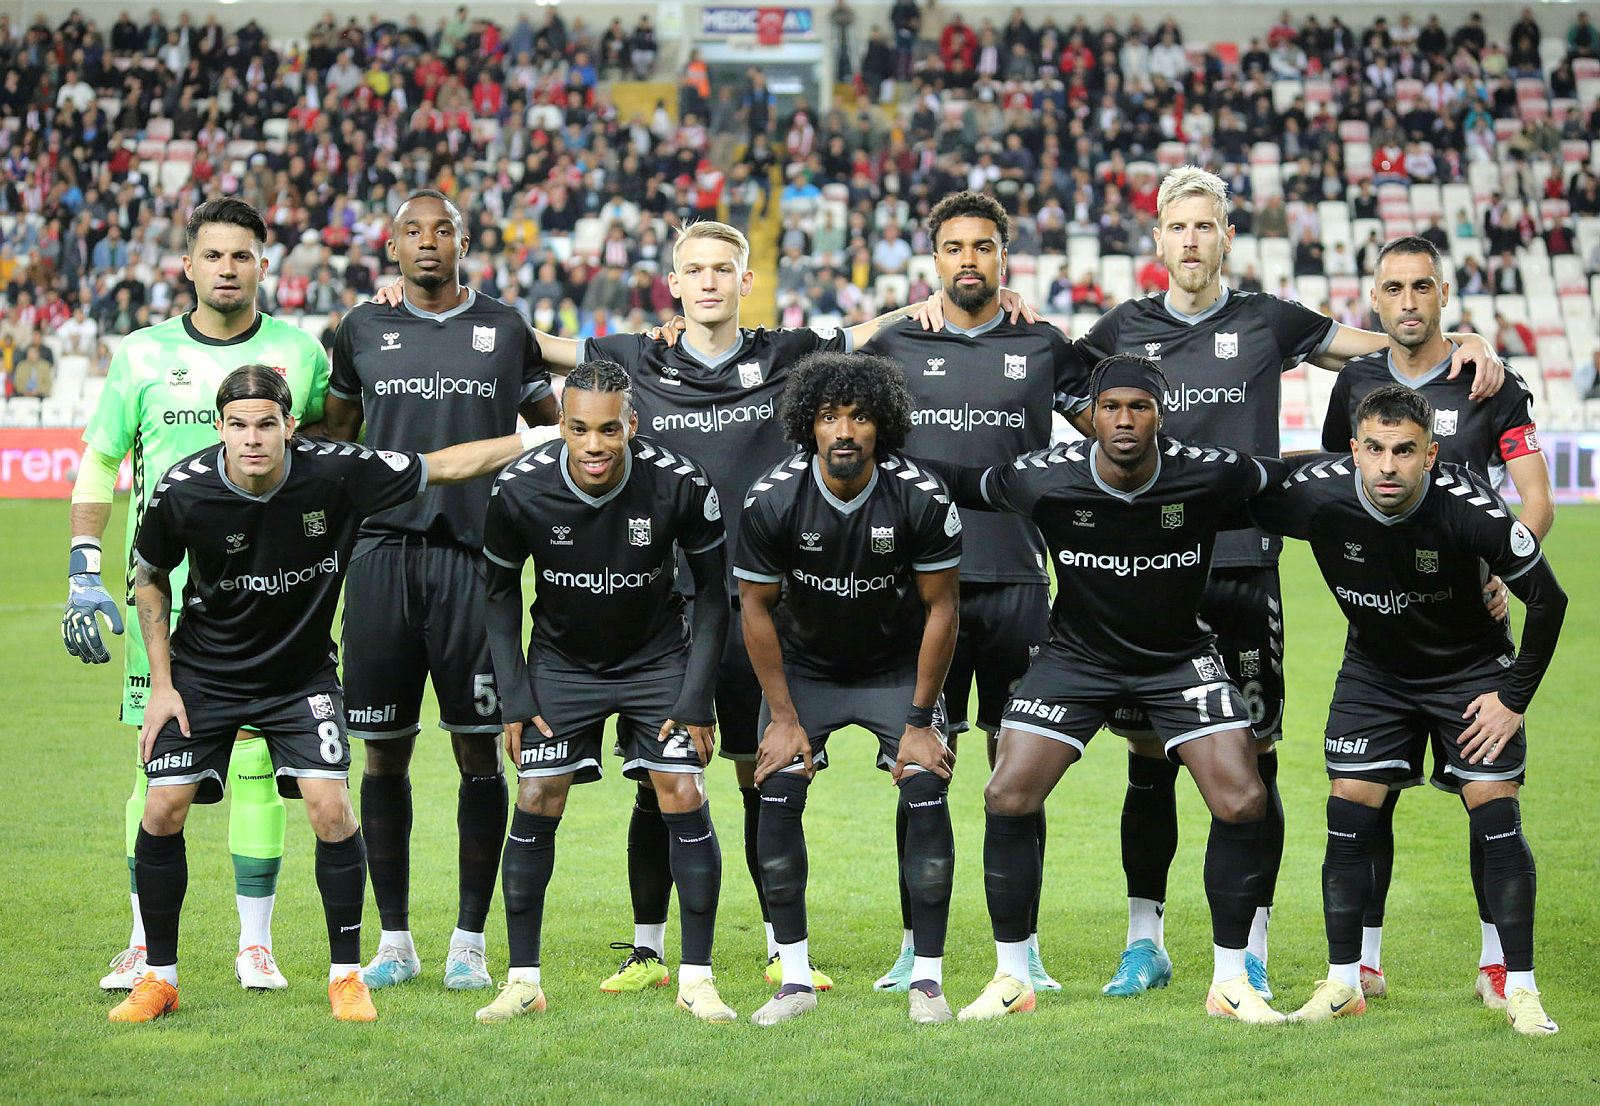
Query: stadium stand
(574, 159)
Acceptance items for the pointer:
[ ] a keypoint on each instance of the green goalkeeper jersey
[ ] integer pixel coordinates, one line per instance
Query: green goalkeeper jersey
(160, 397)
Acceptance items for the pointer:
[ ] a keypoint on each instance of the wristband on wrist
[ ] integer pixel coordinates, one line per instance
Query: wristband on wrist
(919, 717)
(530, 438)
(84, 557)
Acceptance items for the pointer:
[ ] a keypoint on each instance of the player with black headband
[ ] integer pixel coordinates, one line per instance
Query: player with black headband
(1130, 519)
(986, 386)
(848, 590)
(266, 523)
(444, 365)
(1496, 438)
(1225, 352)
(602, 513)
(1401, 540)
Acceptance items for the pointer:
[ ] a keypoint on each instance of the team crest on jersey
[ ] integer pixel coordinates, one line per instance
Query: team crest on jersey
(1226, 346)
(1249, 663)
(811, 543)
(638, 531)
(316, 523)
(935, 367)
(750, 374)
(1016, 366)
(1209, 668)
(391, 340)
(1427, 560)
(1171, 516)
(560, 535)
(1444, 422)
(483, 339)
(178, 375)
(321, 705)
(883, 539)
(1152, 350)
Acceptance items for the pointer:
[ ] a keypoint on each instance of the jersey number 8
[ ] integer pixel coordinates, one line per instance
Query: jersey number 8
(332, 748)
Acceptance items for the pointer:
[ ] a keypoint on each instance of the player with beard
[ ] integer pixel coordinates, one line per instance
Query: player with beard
(157, 408)
(848, 591)
(1401, 542)
(1225, 351)
(1130, 520)
(266, 524)
(1495, 439)
(445, 365)
(600, 515)
(985, 387)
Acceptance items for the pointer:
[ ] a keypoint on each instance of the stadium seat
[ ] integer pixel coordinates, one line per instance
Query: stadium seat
(1312, 291)
(159, 129)
(893, 289)
(922, 266)
(174, 176)
(1266, 180)
(587, 236)
(1083, 256)
(1170, 155)
(1319, 384)
(1569, 275)
(182, 149)
(1081, 323)
(1427, 200)
(1265, 153)
(1246, 252)
(1116, 277)
(57, 410)
(1406, 93)
(1285, 93)
(21, 412)
(1544, 316)
(1355, 130)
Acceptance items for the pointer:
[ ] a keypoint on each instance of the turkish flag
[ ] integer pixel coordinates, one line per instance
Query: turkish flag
(769, 26)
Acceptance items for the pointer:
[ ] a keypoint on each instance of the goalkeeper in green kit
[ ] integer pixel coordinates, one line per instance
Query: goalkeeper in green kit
(158, 405)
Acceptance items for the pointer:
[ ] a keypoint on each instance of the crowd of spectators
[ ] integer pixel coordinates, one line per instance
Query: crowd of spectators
(109, 136)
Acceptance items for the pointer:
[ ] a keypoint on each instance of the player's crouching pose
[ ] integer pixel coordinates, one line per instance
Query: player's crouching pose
(267, 524)
(1130, 520)
(601, 513)
(848, 592)
(1400, 542)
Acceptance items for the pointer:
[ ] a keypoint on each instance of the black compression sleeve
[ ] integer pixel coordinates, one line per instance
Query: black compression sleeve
(709, 625)
(1547, 608)
(503, 621)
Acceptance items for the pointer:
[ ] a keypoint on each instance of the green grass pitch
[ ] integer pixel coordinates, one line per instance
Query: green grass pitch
(67, 766)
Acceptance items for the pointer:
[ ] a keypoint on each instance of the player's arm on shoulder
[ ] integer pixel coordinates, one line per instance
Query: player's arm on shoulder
(560, 354)
(965, 482)
(341, 419)
(1531, 477)
(459, 463)
(862, 333)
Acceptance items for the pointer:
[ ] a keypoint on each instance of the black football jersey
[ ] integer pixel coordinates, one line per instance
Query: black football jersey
(1483, 435)
(1410, 585)
(1225, 367)
(984, 396)
(265, 571)
(1130, 566)
(429, 381)
(604, 566)
(722, 410)
(850, 610)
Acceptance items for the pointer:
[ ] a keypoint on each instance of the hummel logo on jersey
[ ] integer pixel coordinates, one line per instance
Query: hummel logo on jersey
(391, 340)
(535, 754)
(1249, 663)
(1226, 346)
(1427, 560)
(1352, 552)
(321, 705)
(1344, 745)
(1171, 516)
(366, 716)
(170, 761)
(316, 523)
(1016, 366)
(1444, 422)
(560, 535)
(750, 374)
(1152, 350)
(935, 367)
(811, 543)
(638, 531)
(1083, 518)
(883, 539)
(483, 339)
(236, 543)
(669, 375)
(179, 375)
